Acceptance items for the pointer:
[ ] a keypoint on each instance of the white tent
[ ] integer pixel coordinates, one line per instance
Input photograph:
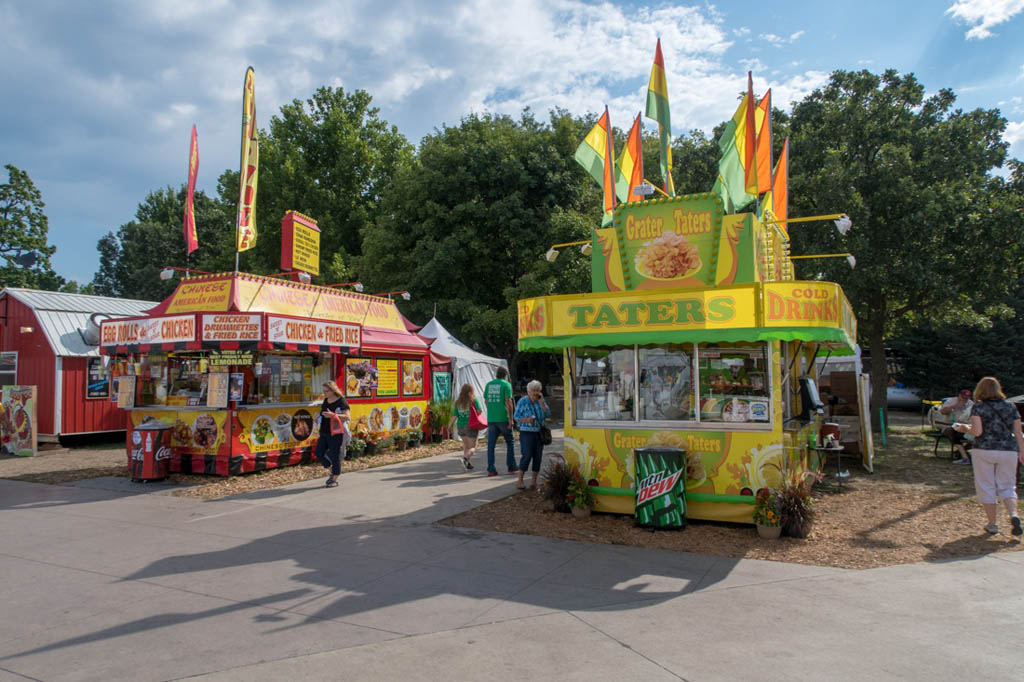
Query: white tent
(468, 366)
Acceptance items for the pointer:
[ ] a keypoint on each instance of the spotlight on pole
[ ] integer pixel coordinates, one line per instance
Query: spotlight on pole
(167, 273)
(586, 249)
(844, 224)
(551, 255)
(852, 261)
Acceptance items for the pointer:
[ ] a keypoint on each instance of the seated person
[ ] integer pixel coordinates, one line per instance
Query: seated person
(960, 408)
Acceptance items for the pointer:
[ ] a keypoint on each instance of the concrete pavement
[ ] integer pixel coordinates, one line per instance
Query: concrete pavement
(106, 583)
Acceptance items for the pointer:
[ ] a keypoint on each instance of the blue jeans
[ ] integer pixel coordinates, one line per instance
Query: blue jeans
(328, 449)
(494, 429)
(532, 449)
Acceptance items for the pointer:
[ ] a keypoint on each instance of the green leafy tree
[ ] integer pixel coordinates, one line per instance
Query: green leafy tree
(24, 230)
(131, 259)
(466, 226)
(934, 235)
(330, 158)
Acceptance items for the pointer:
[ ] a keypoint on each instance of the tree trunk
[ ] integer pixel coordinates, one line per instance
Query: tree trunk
(879, 367)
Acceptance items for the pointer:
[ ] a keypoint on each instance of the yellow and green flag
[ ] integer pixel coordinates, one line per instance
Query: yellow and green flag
(763, 152)
(657, 109)
(595, 154)
(737, 160)
(245, 233)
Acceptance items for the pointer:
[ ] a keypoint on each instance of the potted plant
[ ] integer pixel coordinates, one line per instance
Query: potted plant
(439, 413)
(400, 439)
(371, 444)
(356, 447)
(385, 443)
(766, 514)
(796, 505)
(579, 496)
(554, 486)
(415, 438)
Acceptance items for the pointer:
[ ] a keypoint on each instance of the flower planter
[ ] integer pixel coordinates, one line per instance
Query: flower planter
(581, 512)
(436, 437)
(769, 532)
(401, 445)
(371, 449)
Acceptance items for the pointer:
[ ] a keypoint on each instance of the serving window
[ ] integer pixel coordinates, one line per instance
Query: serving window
(284, 378)
(686, 383)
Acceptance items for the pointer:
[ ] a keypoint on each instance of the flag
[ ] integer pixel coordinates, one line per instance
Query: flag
(780, 187)
(657, 109)
(595, 154)
(631, 165)
(749, 132)
(731, 181)
(191, 243)
(763, 153)
(245, 235)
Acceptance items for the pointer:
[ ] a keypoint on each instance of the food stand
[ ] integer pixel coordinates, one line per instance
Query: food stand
(233, 364)
(694, 336)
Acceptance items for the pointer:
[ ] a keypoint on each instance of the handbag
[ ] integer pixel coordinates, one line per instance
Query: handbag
(477, 419)
(545, 435)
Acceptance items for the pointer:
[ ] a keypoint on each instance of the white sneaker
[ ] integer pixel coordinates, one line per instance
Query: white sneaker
(991, 528)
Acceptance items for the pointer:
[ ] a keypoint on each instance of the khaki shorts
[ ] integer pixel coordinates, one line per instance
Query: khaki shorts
(467, 432)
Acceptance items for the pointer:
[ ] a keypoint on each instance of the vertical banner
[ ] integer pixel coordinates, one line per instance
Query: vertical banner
(442, 386)
(18, 420)
(245, 236)
(191, 243)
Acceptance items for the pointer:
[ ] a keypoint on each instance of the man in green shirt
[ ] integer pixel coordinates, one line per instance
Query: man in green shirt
(498, 398)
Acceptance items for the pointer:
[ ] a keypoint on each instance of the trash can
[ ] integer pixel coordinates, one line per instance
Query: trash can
(149, 451)
(660, 487)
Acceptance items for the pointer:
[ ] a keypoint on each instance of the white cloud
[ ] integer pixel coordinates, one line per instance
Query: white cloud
(984, 14)
(795, 36)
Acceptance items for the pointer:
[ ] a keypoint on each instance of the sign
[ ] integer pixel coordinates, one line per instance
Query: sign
(231, 327)
(119, 332)
(237, 386)
(412, 377)
(387, 377)
(196, 296)
(224, 358)
(126, 392)
(360, 377)
(442, 386)
(97, 380)
(300, 243)
(288, 330)
(217, 389)
(18, 426)
(267, 429)
(173, 329)
(809, 304)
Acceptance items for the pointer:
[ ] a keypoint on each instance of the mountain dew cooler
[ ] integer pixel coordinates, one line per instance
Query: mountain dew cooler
(660, 497)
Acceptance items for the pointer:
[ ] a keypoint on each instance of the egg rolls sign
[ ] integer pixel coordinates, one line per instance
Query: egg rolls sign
(154, 330)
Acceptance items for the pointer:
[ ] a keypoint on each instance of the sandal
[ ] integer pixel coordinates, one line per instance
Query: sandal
(520, 486)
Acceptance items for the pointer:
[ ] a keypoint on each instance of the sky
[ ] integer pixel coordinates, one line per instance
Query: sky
(100, 96)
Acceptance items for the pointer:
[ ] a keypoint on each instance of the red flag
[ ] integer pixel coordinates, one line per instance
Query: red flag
(631, 164)
(764, 143)
(749, 164)
(191, 243)
(780, 187)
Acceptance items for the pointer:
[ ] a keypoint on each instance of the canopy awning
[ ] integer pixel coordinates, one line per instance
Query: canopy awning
(385, 339)
(774, 311)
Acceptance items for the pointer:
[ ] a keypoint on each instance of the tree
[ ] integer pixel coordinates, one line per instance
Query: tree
(24, 230)
(934, 235)
(330, 158)
(465, 227)
(131, 259)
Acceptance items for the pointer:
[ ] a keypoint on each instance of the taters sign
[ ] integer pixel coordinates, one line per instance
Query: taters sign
(290, 330)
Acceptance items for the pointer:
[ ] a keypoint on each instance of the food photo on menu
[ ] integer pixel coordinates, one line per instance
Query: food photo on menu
(361, 378)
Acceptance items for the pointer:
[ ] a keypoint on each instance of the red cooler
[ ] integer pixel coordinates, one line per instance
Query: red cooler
(149, 451)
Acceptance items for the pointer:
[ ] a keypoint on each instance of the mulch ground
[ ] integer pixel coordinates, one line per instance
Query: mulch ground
(915, 507)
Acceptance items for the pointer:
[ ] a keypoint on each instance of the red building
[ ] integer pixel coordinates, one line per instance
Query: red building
(47, 340)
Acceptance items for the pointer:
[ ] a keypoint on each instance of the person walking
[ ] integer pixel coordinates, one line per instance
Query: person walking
(998, 446)
(531, 413)
(334, 416)
(500, 420)
(460, 419)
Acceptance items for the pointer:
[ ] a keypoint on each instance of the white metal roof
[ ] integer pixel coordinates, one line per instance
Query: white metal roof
(62, 315)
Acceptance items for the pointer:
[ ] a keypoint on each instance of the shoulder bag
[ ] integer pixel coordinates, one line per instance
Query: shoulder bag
(477, 419)
(545, 432)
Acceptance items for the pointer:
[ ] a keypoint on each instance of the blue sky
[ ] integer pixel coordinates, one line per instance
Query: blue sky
(100, 96)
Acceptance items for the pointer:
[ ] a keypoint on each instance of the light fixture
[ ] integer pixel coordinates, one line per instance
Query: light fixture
(404, 294)
(27, 330)
(167, 273)
(587, 249)
(551, 255)
(852, 261)
(305, 278)
(843, 224)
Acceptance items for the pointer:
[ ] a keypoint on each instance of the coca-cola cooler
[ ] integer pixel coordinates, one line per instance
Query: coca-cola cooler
(149, 451)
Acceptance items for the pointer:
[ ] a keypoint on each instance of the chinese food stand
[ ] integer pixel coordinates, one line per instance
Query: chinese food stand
(694, 336)
(233, 364)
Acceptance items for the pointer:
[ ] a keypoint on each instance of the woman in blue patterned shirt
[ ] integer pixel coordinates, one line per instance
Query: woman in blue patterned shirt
(998, 445)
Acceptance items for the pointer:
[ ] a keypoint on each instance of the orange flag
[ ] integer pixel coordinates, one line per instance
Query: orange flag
(764, 143)
(191, 243)
(780, 187)
(749, 164)
(631, 164)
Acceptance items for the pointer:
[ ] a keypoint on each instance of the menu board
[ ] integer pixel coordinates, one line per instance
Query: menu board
(97, 380)
(126, 392)
(217, 390)
(387, 377)
(412, 377)
(360, 377)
